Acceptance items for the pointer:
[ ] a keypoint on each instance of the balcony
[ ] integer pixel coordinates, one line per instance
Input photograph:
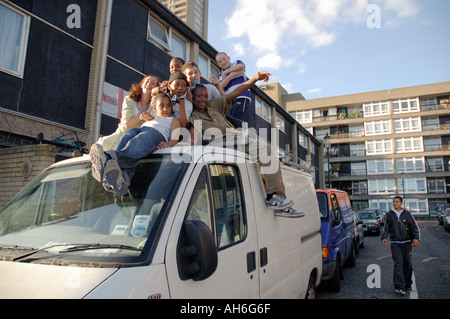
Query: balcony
(435, 107)
(435, 127)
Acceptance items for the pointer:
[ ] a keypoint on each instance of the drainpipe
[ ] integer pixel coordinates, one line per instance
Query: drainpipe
(98, 111)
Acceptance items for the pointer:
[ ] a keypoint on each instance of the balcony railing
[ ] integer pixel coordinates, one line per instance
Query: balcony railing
(435, 127)
(435, 107)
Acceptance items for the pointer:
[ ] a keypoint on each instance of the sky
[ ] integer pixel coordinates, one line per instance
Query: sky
(323, 48)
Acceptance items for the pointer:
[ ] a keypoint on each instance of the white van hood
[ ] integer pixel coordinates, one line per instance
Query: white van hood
(30, 281)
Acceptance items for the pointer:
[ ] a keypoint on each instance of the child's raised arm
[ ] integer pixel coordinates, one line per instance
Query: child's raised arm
(261, 76)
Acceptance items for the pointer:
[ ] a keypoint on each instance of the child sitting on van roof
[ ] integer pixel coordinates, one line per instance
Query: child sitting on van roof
(116, 168)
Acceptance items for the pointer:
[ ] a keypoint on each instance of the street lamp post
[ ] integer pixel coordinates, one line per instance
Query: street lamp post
(327, 144)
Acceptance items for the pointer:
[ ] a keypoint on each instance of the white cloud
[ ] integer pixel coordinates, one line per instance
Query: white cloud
(302, 68)
(317, 90)
(239, 49)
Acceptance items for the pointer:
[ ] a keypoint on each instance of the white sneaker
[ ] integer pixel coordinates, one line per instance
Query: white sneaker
(278, 203)
(115, 179)
(289, 213)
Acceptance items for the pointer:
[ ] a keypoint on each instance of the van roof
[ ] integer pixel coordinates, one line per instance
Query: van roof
(195, 152)
(329, 191)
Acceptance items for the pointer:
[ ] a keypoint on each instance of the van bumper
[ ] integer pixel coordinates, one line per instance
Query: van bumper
(328, 270)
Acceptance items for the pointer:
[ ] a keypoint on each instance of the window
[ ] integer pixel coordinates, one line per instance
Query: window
(226, 208)
(167, 39)
(411, 124)
(263, 110)
(375, 109)
(408, 144)
(405, 106)
(412, 185)
(358, 168)
(302, 116)
(435, 164)
(432, 144)
(357, 150)
(356, 131)
(14, 27)
(430, 124)
(303, 140)
(359, 188)
(416, 206)
(378, 127)
(158, 32)
(380, 166)
(410, 165)
(321, 133)
(428, 104)
(436, 186)
(178, 46)
(379, 147)
(381, 186)
(280, 124)
(206, 67)
(384, 205)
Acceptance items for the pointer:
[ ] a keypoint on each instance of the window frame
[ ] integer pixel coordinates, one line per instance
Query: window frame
(167, 47)
(21, 59)
(206, 169)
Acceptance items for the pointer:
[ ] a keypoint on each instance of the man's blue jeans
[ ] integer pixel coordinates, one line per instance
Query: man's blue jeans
(135, 144)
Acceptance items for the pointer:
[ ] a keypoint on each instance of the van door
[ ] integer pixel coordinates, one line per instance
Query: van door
(220, 198)
(337, 227)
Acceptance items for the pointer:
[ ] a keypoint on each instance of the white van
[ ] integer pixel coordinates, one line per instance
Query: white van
(194, 225)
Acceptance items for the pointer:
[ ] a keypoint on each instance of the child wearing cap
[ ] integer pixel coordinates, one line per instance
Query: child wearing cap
(181, 106)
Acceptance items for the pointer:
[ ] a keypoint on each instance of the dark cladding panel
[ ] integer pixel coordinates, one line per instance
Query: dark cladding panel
(128, 35)
(56, 77)
(59, 12)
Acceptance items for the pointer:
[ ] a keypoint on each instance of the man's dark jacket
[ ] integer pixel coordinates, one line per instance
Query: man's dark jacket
(397, 230)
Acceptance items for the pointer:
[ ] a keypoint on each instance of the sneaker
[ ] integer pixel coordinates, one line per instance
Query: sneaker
(98, 159)
(278, 203)
(289, 213)
(115, 179)
(407, 287)
(400, 291)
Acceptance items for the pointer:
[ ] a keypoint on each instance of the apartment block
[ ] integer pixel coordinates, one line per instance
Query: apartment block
(383, 143)
(192, 12)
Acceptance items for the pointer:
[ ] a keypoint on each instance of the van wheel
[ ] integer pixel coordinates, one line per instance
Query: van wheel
(311, 292)
(351, 261)
(334, 284)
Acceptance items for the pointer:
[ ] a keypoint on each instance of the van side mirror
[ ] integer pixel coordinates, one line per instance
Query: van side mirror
(197, 252)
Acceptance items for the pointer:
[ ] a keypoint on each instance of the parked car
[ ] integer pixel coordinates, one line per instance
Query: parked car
(441, 213)
(371, 223)
(194, 225)
(359, 232)
(338, 235)
(446, 220)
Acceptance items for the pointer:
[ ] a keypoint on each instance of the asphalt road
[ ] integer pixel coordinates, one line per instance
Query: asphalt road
(372, 276)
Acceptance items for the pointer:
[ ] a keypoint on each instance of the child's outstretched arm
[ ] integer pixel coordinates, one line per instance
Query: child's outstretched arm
(261, 76)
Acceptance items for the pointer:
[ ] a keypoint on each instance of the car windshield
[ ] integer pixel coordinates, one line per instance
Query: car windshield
(322, 199)
(64, 208)
(366, 215)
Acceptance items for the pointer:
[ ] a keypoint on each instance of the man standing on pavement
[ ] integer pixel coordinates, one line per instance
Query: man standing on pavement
(404, 234)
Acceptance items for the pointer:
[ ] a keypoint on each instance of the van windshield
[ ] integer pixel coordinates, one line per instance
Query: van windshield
(322, 199)
(66, 214)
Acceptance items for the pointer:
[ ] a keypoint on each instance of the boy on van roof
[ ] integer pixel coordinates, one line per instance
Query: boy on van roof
(116, 168)
(193, 75)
